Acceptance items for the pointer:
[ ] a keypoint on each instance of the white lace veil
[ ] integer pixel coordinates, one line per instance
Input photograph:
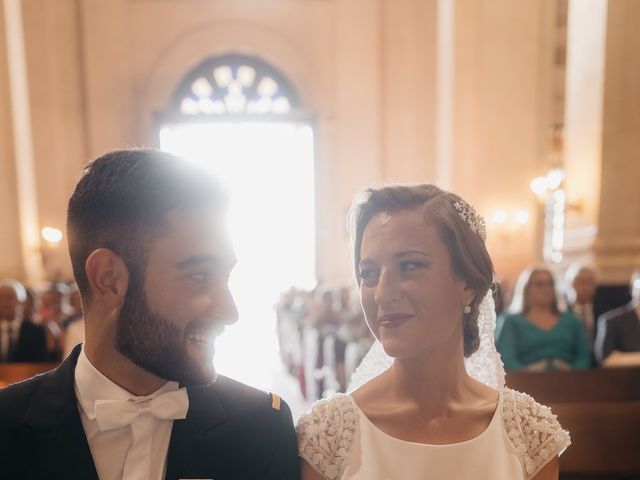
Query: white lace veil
(485, 365)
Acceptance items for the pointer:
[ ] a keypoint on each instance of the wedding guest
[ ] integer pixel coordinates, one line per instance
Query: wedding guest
(430, 401)
(581, 283)
(619, 331)
(535, 334)
(21, 340)
(54, 318)
(29, 305)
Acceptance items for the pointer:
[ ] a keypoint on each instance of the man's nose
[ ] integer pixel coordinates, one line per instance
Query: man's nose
(228, 307)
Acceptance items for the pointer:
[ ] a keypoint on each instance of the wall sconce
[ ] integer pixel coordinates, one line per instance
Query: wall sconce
(52, 237)
(509, 223)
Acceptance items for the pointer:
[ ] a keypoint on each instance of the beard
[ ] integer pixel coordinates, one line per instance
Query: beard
(155, 343)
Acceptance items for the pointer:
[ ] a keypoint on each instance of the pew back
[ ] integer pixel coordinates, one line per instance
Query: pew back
(15, 372)
(601, 410)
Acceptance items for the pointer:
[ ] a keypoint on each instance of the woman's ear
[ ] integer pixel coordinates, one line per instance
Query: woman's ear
(469, 295)
(108, 277)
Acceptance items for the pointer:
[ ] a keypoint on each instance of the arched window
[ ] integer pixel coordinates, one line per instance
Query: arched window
(234, 84)
(241, 117)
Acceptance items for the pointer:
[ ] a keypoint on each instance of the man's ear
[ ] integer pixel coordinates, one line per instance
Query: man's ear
(108, 277)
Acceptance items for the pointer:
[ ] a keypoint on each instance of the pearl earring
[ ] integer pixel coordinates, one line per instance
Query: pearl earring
(467, 309)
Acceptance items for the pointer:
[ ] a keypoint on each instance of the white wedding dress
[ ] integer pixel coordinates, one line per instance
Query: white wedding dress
(340, 442)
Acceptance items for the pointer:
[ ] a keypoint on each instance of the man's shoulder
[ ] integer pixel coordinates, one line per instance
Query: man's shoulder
(619, 316)
(254, 416)
(239, 399)
(15, 398)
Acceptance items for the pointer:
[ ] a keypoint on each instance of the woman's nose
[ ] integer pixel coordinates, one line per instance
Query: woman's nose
(387, 290)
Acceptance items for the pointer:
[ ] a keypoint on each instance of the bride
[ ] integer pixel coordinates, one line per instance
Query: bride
(429, 400)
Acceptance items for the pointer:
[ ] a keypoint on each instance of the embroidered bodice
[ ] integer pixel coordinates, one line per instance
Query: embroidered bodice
(339, 442)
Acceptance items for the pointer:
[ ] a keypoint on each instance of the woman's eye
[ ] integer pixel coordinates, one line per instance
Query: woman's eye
(368, 274)
(408, 266)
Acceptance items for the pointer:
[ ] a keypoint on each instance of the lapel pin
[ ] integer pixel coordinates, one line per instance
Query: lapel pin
(275, 401)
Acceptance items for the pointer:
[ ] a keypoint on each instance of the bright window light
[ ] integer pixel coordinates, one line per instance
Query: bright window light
(268, 166)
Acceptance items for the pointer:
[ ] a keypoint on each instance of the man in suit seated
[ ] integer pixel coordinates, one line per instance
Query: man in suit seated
(140, 399)
(618, 341)
(21, 340)
(581, 284)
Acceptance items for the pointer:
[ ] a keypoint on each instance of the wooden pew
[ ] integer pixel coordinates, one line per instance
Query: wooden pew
(15, 372)
(601, 410)
(601, 385)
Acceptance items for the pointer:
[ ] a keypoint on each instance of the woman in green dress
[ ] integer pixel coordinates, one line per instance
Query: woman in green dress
(535, 335)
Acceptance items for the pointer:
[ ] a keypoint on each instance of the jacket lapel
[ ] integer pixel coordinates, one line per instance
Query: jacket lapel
(193, 440)
(50, 437)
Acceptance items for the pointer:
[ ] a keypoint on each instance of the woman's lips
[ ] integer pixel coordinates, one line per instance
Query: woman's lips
(393, 320)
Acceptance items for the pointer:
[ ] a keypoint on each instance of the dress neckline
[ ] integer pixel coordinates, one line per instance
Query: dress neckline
(497, 415)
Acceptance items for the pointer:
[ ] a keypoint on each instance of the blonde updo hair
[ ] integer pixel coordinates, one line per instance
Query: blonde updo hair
(469, 257)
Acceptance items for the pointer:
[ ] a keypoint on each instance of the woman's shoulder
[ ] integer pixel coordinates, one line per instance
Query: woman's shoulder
(325, 434)
(511, 317)
(533, 430)
(569, 317)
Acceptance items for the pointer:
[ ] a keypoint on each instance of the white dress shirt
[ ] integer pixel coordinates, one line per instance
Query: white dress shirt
(113, 451)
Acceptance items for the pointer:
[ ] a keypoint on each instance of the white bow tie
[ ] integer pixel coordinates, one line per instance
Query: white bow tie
(111, 414)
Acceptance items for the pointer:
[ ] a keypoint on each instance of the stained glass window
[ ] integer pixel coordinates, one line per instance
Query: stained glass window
(234, 84)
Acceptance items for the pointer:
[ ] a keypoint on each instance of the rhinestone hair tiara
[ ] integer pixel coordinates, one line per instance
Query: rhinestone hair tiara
(475, 222)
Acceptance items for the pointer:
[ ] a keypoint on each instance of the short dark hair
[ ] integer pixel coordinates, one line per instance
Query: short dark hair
(121, 201)
(470, 259)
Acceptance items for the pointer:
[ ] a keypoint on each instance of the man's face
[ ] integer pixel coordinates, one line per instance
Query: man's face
(177, 307)
(585, 286)
(8, 303)
(51, 303)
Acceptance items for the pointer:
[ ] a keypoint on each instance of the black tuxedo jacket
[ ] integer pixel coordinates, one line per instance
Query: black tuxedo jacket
(232, 431)
(31, 344)
(619, 330)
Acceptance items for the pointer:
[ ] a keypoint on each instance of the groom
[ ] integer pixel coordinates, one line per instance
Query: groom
(140, 399)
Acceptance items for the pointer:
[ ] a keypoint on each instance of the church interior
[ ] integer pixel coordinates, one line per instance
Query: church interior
(528, 110)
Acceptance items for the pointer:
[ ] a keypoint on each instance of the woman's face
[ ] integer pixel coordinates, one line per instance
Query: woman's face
(410, 296)
(541, 291)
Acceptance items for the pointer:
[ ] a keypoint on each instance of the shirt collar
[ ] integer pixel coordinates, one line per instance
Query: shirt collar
(582, 307)
(91, 385)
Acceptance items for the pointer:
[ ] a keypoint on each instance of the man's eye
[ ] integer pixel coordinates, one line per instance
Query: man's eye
(199, 277)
